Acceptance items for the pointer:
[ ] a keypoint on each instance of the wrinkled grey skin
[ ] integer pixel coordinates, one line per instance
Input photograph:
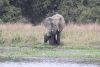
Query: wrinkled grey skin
(55, 25)
(47, 37)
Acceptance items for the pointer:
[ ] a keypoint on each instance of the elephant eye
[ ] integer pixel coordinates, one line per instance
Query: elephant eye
(55, 25)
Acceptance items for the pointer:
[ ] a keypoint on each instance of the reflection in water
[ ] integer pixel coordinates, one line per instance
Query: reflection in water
(48, 62)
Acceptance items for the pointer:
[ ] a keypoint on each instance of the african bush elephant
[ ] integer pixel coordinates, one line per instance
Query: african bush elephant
(47, 36)
(55, 25)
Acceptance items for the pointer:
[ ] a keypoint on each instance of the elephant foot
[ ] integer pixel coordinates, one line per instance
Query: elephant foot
(51, 42)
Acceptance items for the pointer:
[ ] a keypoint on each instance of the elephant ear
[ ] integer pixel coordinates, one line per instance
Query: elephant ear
(48, 23)
(61, 23)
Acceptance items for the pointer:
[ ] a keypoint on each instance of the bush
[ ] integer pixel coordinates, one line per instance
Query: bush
(8, 13)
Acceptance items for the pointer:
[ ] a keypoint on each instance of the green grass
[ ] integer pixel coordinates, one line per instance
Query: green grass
(81, 41)
(54, 53)
(18, 35)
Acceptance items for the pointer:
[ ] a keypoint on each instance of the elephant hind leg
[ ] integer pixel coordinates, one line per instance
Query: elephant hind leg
(45, 39)
(58, 37)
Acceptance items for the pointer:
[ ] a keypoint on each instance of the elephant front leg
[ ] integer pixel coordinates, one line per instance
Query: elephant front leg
(52, 39)
(58, 37)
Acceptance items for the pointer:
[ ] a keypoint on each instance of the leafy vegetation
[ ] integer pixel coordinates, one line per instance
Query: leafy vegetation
(8, 13)
(77, 11)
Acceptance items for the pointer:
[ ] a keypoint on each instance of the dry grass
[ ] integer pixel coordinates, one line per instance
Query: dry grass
(88, 34)
(21, 26)
(87, 27)
(70, 27)
(20, 34)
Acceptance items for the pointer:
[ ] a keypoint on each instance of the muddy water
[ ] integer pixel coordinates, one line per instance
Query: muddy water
(48, 62)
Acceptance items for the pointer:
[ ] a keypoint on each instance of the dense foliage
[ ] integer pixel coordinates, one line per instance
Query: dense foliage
(78, 11)
(8, 12)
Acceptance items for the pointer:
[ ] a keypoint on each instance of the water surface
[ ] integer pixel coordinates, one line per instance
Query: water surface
(48, 62)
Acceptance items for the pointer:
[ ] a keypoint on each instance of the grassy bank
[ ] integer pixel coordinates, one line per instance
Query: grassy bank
(80, 40)
(53, 52)
(28, 35)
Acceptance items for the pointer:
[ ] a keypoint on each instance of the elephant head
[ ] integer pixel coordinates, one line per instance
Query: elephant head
(54, 23)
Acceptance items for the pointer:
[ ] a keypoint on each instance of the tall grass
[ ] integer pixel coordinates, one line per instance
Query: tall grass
(20, 34)
(88, 35)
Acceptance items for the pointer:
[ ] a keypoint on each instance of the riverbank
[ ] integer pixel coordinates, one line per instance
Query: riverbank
(76, 40)
(51, 51)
